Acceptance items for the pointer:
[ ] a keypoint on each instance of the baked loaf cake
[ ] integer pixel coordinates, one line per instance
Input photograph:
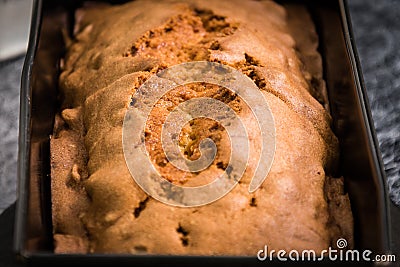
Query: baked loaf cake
(96, 205)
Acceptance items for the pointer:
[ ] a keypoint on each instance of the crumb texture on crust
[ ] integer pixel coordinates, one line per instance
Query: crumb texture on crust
(97, 207)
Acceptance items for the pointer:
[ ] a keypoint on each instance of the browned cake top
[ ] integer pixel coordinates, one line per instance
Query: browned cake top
(97, 206)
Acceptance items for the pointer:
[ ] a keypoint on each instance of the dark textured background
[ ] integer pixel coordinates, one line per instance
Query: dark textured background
(376, 25)
(9, 110)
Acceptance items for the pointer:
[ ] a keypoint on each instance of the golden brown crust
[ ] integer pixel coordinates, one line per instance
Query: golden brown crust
(68, 170)
(117, 48)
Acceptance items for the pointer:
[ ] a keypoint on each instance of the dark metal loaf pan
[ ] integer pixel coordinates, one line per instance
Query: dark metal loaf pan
(359, 163)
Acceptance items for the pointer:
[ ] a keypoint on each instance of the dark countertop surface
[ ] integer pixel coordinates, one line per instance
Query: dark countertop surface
(376, 26)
